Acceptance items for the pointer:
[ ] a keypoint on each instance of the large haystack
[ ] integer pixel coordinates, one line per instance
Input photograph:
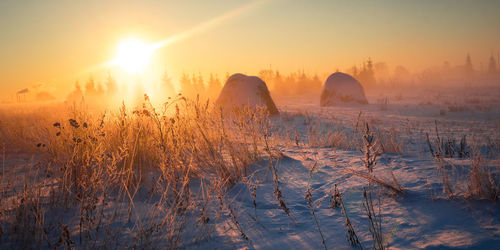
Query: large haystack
(246, 91)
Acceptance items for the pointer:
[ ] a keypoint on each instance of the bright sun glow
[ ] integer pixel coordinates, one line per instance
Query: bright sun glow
(133, 56)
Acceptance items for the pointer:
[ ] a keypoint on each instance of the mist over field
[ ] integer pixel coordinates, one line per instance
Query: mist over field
(271, 124)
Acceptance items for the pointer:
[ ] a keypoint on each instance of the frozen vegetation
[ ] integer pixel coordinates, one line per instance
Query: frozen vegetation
(411, 169)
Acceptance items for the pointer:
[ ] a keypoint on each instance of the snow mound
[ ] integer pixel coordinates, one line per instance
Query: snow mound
(342, 88)
(241, 90)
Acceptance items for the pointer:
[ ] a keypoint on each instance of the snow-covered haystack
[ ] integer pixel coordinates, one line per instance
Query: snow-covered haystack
(342, 88)
(241, 90)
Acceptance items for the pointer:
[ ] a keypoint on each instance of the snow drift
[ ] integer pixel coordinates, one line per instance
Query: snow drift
(241, 90)
(342, 88)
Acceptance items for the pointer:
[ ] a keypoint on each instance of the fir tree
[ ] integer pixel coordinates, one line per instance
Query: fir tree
(186, 86)
(167, 85)
(468, 68)
(492, 66)
(111, 85)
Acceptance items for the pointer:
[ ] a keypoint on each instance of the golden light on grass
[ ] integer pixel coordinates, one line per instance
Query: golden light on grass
(133, 56)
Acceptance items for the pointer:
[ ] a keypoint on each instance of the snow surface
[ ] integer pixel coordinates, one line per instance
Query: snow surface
(423, 217)
(342, 88)
(242, 90)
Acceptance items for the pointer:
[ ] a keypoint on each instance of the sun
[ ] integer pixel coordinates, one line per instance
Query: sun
(133, 56)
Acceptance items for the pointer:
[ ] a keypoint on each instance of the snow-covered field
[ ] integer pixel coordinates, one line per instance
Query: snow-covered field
(320, 147)
(422, 217)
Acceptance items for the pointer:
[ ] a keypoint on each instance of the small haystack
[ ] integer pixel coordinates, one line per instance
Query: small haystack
(342, 88)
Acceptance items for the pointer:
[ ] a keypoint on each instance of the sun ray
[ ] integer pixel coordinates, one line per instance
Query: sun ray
(202, 27)
(209, 24)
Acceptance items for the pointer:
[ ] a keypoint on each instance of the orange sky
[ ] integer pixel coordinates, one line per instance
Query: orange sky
(55, 43)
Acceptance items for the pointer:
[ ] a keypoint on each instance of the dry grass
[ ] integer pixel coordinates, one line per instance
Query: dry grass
(95, 172)
(481, 184)
(336, 201)
(374, 219)
(310, 203)
(390, 141)
(101, 165)
(474, 180)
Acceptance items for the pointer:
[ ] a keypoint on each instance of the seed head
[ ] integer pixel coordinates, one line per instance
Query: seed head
(74, 123)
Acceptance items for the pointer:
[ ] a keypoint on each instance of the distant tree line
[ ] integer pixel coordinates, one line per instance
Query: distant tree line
(374, 75)
(296, 83)
(192, 86)
(369, 73)
(93, 91)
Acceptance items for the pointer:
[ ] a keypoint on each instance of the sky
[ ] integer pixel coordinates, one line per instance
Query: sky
(54, 43)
